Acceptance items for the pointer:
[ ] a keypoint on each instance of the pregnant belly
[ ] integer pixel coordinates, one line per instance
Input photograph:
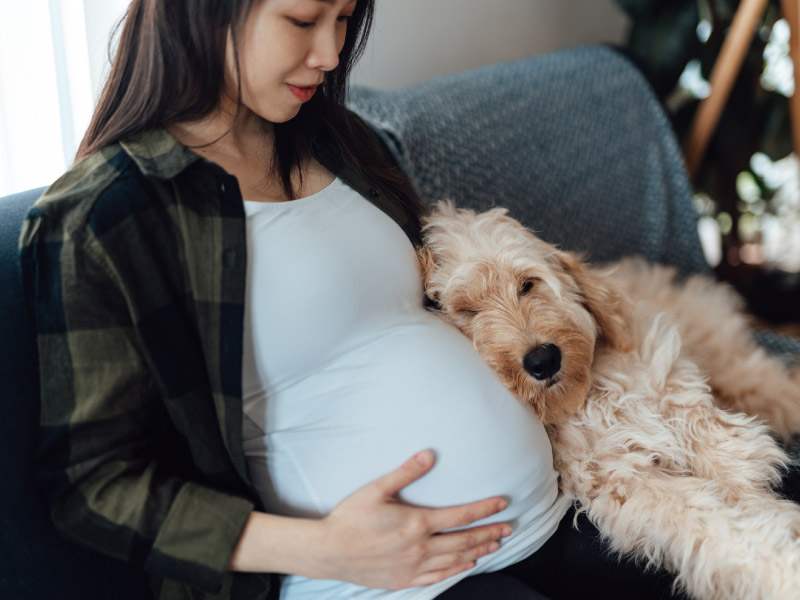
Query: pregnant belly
(421, 386)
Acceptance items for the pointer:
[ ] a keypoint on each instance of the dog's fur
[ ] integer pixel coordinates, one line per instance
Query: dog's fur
(662, 415)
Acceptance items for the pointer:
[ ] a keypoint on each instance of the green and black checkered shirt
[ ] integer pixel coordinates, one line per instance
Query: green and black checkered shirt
(134, 265)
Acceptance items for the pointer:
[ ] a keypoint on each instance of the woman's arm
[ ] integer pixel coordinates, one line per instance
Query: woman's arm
(372, 539)
(107, 451)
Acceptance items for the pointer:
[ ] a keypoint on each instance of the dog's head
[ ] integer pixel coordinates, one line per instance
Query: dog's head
(532, 311)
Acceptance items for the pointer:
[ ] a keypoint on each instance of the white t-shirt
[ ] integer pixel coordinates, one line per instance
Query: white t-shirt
(346, 375)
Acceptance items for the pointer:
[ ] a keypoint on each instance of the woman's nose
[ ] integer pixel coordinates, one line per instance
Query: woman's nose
(324, 53)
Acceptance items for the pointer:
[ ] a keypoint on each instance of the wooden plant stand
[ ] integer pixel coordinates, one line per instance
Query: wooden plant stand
(723, 76)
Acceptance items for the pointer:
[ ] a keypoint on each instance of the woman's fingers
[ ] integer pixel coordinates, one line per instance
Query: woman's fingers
(454, 559)
(467, 540)
(378, 541)
(440, 519)
(452, 517)
(450, 550)
(406, 474)
(436, 576)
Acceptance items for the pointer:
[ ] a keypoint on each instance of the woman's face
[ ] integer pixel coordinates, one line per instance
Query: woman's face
(285, 49)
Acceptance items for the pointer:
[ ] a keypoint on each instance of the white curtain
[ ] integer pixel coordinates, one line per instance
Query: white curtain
(47, 89)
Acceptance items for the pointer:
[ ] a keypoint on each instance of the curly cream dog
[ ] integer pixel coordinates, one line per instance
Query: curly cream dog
(658, 404)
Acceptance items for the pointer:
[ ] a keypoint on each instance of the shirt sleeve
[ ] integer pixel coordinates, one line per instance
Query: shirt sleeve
(99, 463)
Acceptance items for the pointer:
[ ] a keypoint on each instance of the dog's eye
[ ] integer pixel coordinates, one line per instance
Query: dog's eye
(465, 310)
(526, 287)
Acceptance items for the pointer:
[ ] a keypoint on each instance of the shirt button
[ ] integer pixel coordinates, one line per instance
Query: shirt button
(373, 192)
(222, 187)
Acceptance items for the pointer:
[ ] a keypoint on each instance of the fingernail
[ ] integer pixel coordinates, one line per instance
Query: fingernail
(501, 505)
(506, 532)
(493, 547)
(423, 458)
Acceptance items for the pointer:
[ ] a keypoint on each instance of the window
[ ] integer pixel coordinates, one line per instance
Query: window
(48, 82)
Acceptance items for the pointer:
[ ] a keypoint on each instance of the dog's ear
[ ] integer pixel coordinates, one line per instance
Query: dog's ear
(428, 266)
(609, 309)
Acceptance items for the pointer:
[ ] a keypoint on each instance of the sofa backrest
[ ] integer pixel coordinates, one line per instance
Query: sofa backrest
(36, 563)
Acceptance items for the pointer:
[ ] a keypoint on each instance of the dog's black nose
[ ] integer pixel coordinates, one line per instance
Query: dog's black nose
(542, 362)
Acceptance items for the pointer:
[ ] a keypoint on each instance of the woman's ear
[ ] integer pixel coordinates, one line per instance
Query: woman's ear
(610, 310)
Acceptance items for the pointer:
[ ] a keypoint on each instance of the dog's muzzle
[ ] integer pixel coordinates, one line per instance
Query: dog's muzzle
(542, 362)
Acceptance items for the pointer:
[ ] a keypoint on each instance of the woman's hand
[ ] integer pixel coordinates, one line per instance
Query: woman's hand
(372, 539)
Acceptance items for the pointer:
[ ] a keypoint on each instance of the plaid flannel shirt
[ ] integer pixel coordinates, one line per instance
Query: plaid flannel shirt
(134, 263)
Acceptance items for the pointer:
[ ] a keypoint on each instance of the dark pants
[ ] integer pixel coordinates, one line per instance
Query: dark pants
(575, 564)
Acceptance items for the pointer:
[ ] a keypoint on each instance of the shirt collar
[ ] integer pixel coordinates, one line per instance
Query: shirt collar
(157, 153)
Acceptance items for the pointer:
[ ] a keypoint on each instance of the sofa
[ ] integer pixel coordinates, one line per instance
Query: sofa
(573, 143)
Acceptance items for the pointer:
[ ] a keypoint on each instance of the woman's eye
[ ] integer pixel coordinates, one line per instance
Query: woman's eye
(526, 287)
(344, 18)
(302, 24)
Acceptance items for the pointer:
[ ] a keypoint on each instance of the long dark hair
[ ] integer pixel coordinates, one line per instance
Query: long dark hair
(169, 66)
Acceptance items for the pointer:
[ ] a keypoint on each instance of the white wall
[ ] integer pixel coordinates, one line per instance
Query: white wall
(414, 40)
(101, 17)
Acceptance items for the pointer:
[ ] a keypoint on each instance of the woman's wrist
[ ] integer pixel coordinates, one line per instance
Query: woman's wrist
(276, 544)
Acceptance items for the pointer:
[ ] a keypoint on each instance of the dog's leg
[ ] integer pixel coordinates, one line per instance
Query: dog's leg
(716, 335)
(653, 410)
(700, 441)
(715, 444)
(691, 493)
(742, 375)
(670, 477)
(759, 385)
(748, 550)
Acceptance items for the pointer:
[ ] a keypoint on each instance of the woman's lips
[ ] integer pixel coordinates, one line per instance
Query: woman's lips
(302, 93)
